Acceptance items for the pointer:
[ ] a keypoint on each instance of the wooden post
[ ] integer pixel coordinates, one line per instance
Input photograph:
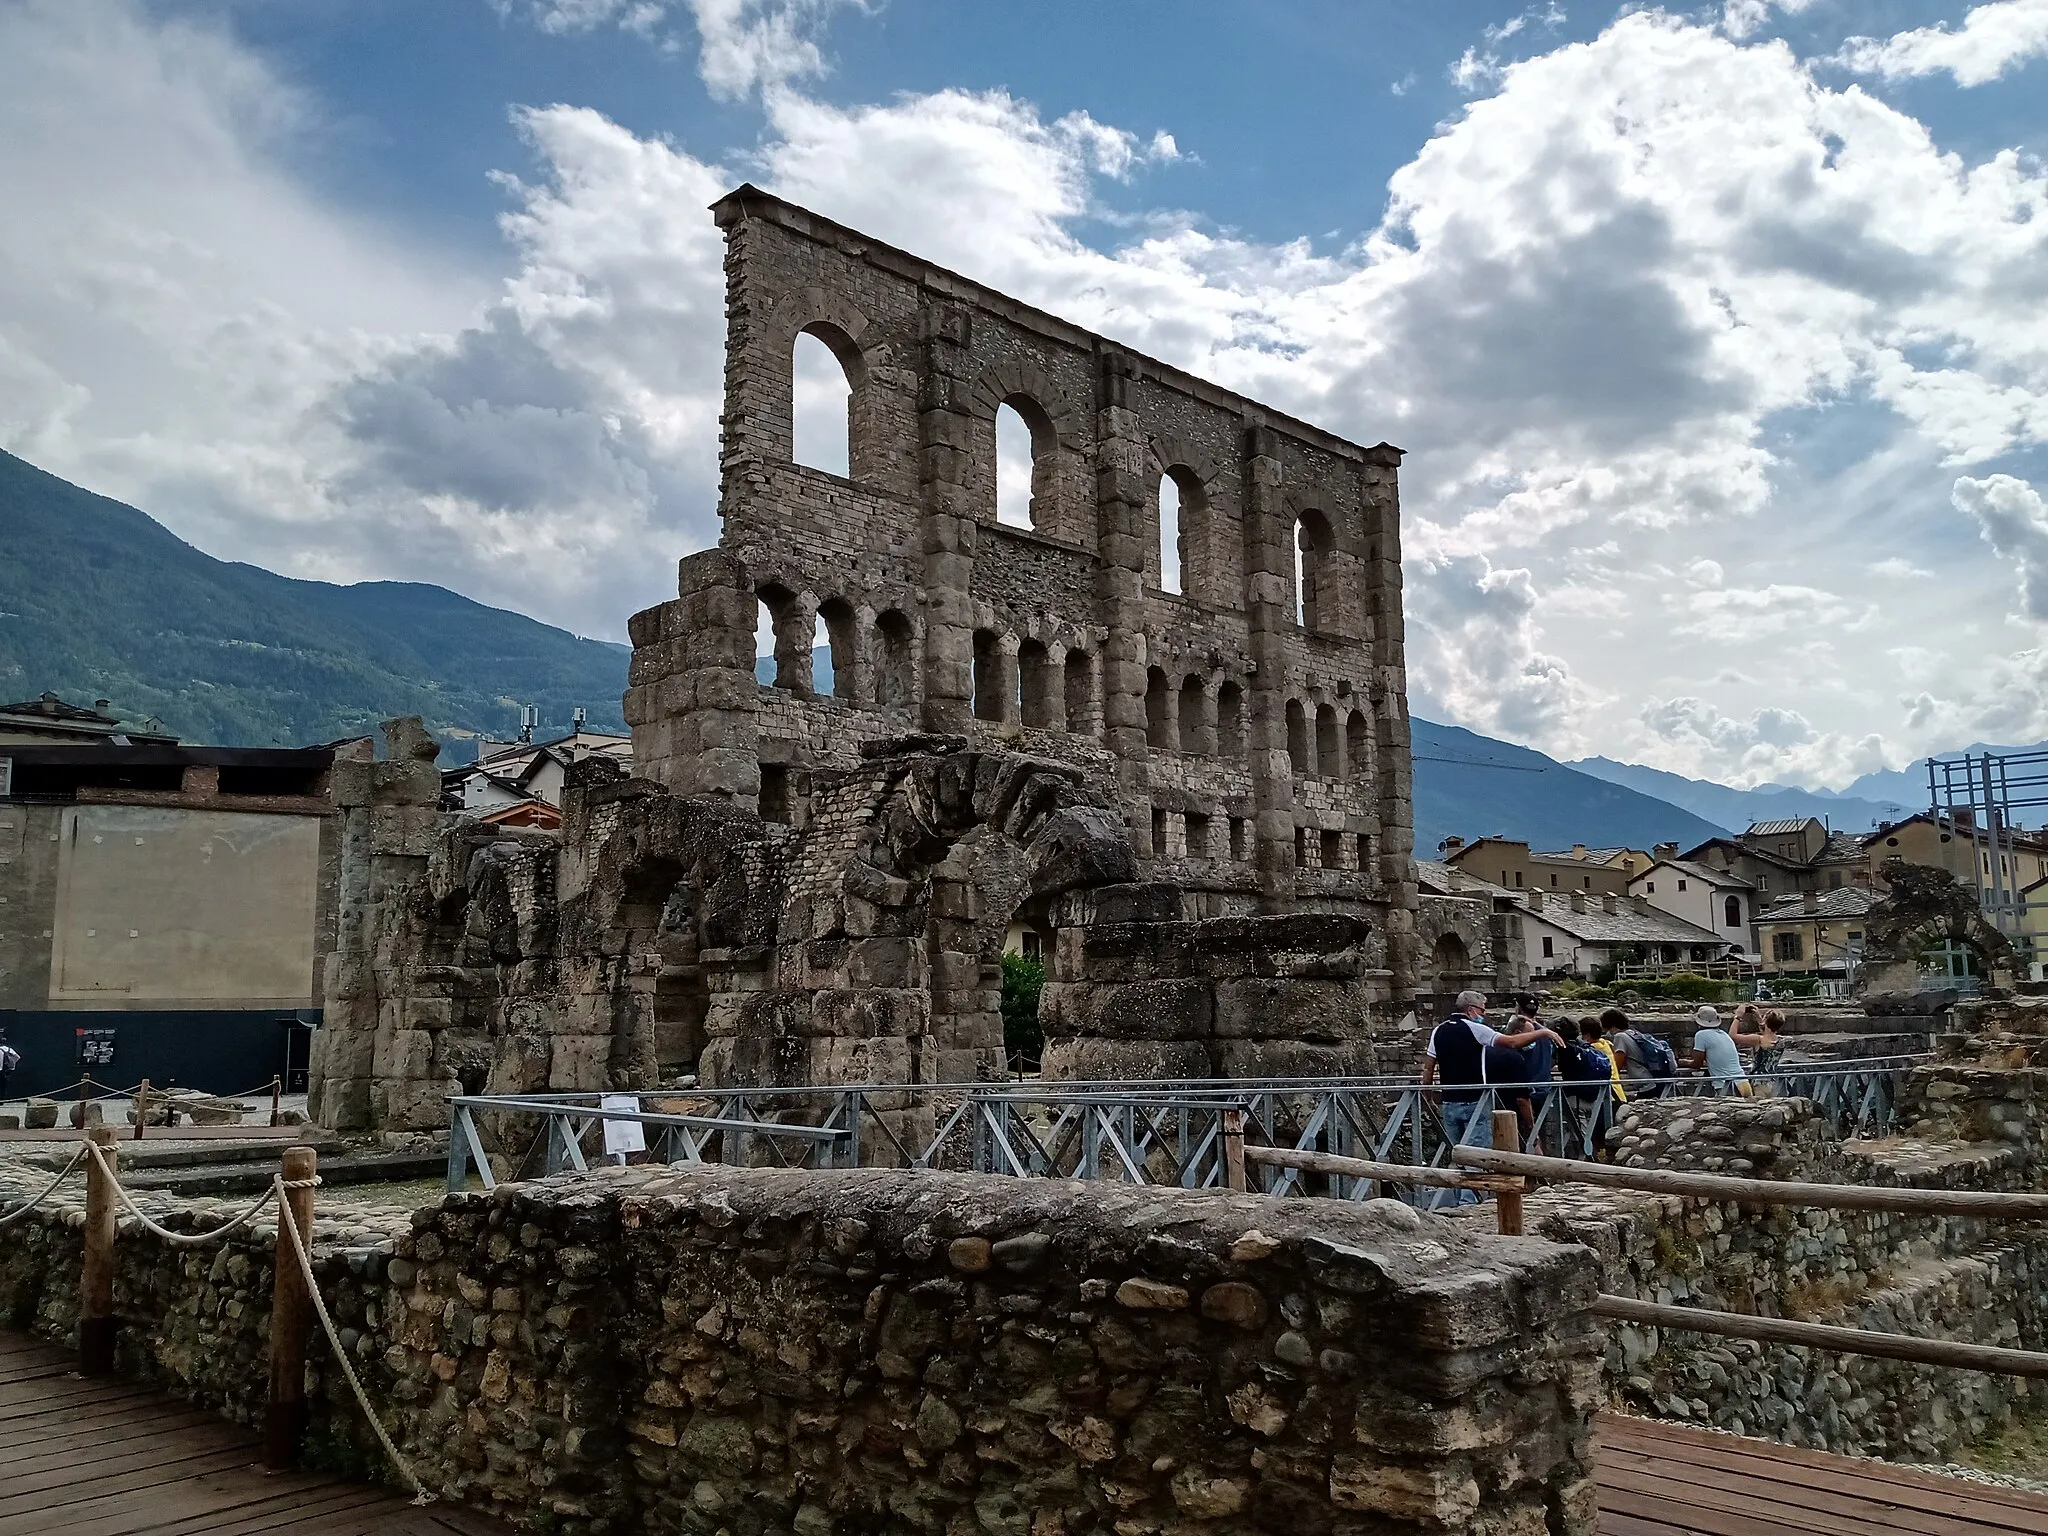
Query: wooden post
(291, 1318)
(1233, 1149)
(141, 1108)
(96, 1272)
(1507, 1137)
(276, 1096)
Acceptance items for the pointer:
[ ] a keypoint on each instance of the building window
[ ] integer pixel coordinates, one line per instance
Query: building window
(1553, 882)
(1549, 948)
(1787, 946)
(1198, 837)
(1650, 887)
(1834, 879)
(1333, 850)
(1731, 912)
(1238, 849)
(1364, 852)
(1034, 945)
(775, 797)
(1763, 882)
(1158, 834)
(1681, 885)
(1855, 938)
(1589, 882)
(1518, 880)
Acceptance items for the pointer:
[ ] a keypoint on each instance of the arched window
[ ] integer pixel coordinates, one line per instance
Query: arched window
(1300, 747)
(1731, 912)
(1196, 733)
(1357, 745)
(1159, 723)
(895, 685)
(1230, 721)
(1328, 763)
(1026, 464)
(821, 406)
(1080, 692)
(782, 633)
(1172, 537)
(1450, 957)
(1311, 570)
(988, 678)
(1038, 683)
(835, 636)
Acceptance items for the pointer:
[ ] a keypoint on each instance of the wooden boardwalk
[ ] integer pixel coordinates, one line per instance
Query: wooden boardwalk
(1661, 1479)
(110, 1458)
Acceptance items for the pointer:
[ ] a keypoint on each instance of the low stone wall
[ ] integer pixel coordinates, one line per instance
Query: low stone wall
(761, 1351)
(1931, 1277)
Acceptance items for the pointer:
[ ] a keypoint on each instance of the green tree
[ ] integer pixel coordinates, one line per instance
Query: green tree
(1023, 980)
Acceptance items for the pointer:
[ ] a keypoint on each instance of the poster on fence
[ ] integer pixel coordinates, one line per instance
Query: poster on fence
(623, 1136)
(95, 1047)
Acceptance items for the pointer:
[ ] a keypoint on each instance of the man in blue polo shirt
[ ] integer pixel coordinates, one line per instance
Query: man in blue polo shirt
(1467, 1055)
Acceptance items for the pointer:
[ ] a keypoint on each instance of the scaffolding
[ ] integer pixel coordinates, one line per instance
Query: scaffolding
(1984, 797)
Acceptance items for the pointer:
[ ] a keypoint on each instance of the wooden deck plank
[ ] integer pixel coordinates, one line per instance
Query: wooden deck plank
(1765, 1460)
(1822, 1509)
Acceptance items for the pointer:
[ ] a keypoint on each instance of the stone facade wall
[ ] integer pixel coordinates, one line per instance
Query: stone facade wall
(757, 1351)
(1256, 750)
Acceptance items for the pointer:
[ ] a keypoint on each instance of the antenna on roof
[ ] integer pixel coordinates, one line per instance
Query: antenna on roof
(529, 717)
(576, 719)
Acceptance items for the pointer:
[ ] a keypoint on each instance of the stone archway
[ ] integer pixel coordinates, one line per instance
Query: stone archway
(1925, 908)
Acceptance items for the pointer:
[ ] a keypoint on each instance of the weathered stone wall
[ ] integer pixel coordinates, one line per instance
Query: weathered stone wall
(1930, 1277)
(756, 1351)
(1258, 745)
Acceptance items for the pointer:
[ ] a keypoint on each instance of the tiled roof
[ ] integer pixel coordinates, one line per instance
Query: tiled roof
(1844, 845)
(1591, 855)
(1779, 827)
(1434, 876)
(1627, 924)
(1706, 872)
(50, 707)
(1849, 901)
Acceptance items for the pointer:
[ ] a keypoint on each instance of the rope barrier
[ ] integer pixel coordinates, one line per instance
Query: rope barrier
(62, 1174)
(288, 1225)
(177, 1239)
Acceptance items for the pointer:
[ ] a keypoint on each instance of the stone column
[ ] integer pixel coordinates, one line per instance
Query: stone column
(945, 446)
(1120, 538)
(1052, 685)
(1007, 690)
(1393, 781)
(1269, 615)
(691, 698)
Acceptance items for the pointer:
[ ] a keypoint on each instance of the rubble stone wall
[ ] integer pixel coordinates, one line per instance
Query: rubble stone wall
(1929, 1277)
(764, 1351)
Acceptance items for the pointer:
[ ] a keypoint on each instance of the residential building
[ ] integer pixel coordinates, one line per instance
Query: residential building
(49, 719)
(1704, 896)
(164, 910)
(1510, 863)
(523, 773)
(1815, 932)
(1576, 934)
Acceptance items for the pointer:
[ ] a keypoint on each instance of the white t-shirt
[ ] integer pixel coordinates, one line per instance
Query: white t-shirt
(1482, 1031)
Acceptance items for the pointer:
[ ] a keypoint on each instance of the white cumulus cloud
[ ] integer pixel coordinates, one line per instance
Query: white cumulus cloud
(2012, 517)
(1992, 39)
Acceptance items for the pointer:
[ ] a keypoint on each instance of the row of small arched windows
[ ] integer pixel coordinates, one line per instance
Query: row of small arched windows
(821, 433)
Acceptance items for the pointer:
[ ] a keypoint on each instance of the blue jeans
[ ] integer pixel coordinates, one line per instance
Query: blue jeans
(1457, 1122)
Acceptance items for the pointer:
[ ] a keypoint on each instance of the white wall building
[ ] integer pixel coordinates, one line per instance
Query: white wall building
(1704, 896)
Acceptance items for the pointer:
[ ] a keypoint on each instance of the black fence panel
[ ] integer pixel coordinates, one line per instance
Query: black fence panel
(226, 1050)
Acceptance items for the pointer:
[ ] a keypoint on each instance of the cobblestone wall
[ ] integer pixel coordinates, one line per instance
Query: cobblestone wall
(1930, 1277)
(760, 1351)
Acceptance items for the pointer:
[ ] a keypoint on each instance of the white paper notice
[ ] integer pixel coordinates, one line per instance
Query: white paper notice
(623, 1135)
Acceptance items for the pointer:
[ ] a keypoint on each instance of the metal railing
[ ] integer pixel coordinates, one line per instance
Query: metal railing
(1168, 1133)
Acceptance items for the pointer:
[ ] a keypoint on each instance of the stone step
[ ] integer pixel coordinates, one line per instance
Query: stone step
(249, 1178)
(1862, 1046)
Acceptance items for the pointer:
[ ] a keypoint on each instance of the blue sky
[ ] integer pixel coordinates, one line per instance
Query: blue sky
(1718, 334)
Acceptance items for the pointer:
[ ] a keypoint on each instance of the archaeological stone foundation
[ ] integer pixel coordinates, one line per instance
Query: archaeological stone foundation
(1199, 798)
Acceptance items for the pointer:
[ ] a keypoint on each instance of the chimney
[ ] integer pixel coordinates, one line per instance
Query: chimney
(1535, 900)
(1457, 881)
(1665, 851)
(1451, 844)
(100, 705)
(1609, 904)
(1578, 851)
(1578, 901)
(1809, 901)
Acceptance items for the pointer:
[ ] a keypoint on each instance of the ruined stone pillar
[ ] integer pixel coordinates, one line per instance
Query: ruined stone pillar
(967, 1017)
(945, 449)
(1008, 690)
(691, 698)
(1269, 615)
(367, 1062)
(1052, 689)
(1120, 538)
(1392, 764)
